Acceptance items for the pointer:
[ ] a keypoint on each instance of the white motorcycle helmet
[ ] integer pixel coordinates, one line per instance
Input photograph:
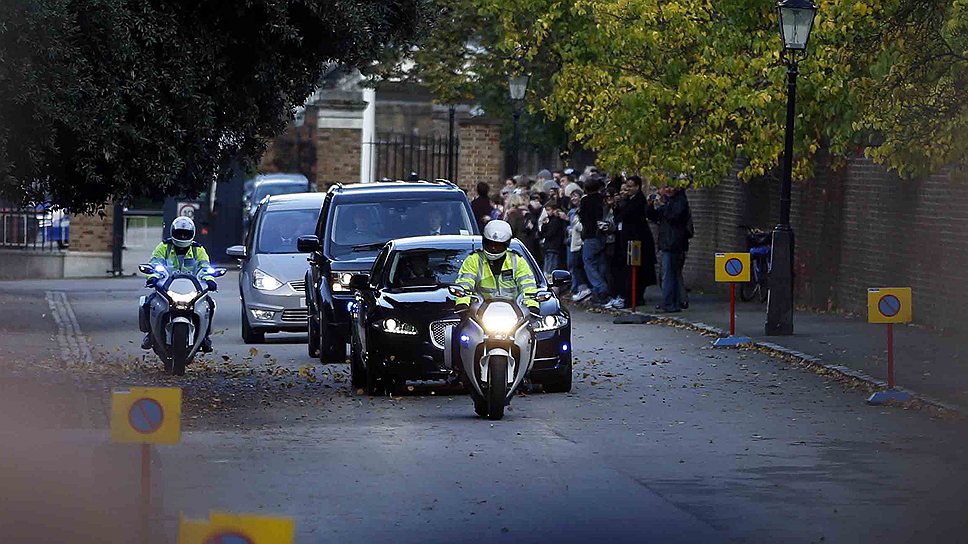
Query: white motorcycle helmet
(183, 231)
(497, 239)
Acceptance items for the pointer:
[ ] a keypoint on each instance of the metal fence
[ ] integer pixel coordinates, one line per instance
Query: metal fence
(34, 229)
(395, 156)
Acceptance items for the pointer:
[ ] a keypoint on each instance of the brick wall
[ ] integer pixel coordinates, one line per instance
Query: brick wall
(856, 227)
(481, 157)
(92, 233)
(337, 156)
(295, 150)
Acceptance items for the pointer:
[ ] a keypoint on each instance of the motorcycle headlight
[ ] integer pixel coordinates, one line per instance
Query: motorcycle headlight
(550, 322)
(499, 319)
(340, 282)
(264, 282)
(395, 326)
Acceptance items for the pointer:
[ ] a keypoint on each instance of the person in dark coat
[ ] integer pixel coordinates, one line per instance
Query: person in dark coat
(633, 225)
(481, 206)
(670, 209)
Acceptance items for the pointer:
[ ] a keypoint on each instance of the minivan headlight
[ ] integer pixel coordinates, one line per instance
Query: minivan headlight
(264, 282)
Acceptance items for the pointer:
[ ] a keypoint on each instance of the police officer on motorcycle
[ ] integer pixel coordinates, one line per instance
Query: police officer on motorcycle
(495, 271)
(181, 253)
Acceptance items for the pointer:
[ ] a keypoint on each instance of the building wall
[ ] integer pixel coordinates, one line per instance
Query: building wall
(92, 233)
(337, 156)
(856, 227)
(481, 157)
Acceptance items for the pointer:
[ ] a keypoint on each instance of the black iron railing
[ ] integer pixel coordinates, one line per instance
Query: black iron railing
(395, 156)
(36, 229)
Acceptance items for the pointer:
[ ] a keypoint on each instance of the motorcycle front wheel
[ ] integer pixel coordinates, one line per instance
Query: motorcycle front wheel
(497, 386)
(179, 348)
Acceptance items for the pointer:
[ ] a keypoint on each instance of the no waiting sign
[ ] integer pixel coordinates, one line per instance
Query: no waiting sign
(146, 415)
(889, 305)
(732, 267)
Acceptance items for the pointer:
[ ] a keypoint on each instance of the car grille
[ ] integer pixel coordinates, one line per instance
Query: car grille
(437, 329)
(296, 316)
(298, 286)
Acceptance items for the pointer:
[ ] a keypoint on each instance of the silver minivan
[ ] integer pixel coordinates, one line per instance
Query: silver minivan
(272, 281)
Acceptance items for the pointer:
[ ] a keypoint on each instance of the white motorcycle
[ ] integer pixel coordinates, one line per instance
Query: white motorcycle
(179, 314)
(496, 348)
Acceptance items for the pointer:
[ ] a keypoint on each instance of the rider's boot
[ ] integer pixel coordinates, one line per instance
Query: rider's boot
(206, 346)
(146, 342)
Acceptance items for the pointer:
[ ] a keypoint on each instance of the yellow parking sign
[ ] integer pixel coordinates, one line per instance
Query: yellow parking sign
(634, 256)
(733, 267)
(889, 305)
(146, 415)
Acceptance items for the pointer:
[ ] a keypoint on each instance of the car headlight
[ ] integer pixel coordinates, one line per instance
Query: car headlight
(499, 318)
(550, 322)
(264, 282)
(340, 282)
(395, 326)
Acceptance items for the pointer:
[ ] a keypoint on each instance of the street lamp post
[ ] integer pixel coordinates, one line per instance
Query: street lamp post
(796, 20)
(518, 86)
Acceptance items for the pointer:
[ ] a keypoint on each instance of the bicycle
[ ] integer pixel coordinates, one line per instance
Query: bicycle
(759, 243)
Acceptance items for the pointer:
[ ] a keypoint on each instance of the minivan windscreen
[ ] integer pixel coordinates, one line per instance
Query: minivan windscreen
(267, 189)
(279, 230)
(361, 228)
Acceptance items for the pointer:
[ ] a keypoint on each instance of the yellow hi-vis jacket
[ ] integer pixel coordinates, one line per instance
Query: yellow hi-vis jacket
(515, 279)
(192, 261)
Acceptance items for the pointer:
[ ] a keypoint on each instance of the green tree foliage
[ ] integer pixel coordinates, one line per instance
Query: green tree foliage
(461, 57)
(689, 86)
(122, 98)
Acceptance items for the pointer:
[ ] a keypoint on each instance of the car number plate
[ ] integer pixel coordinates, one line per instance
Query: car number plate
(302, 302)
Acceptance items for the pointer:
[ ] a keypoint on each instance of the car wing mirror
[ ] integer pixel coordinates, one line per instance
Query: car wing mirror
(237, 251)
(560, 278)
(307, 244)
(359, 281)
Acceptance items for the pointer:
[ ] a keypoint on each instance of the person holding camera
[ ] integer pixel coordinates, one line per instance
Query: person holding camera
(670, 209)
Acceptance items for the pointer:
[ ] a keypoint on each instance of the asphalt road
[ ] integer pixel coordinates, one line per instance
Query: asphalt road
(662, 440)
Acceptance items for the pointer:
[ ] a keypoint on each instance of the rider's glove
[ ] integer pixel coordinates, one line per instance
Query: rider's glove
(462, 310)
(150, 282)
(534, 311)
(212, 286)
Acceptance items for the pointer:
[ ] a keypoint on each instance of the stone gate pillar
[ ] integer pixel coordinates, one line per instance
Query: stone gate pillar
(339, 133)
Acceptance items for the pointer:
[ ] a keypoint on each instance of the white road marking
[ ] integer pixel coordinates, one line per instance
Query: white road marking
(74, 347)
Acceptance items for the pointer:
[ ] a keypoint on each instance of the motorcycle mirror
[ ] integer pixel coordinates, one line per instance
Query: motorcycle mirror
(146, 269)
(542, 296)
(457, 291)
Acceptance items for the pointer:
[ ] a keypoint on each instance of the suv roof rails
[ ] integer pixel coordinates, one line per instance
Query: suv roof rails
(338, 186)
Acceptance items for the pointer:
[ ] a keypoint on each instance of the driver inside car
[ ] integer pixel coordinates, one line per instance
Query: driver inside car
(180, 253)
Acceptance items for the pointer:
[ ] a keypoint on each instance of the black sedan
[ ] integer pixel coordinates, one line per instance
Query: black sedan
(403, 308)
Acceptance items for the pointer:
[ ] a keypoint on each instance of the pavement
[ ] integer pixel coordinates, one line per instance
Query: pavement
(663, 439)
(927, 362)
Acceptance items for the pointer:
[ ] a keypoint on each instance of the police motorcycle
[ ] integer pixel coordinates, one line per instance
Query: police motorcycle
(179, 314)
(496, 349)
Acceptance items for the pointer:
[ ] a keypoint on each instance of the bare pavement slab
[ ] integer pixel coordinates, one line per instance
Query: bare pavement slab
(927, 362)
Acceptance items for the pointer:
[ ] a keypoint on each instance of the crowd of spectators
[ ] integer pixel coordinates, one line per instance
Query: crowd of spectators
(584, 223)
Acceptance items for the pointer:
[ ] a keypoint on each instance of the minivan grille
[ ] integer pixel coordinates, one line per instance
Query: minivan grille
(296, 316)
(437, 329)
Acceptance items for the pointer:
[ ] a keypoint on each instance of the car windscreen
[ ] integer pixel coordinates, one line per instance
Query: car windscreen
(267, 189)
(279, 230)
(425, 267)
(433, 267)
(361, 228)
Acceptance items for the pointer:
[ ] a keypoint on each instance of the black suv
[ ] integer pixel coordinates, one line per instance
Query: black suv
(355, 223)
